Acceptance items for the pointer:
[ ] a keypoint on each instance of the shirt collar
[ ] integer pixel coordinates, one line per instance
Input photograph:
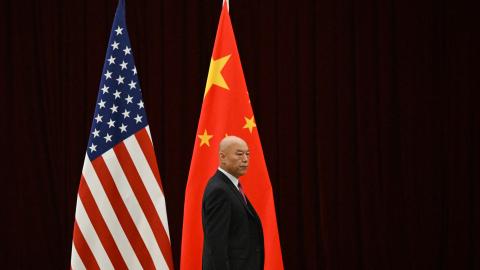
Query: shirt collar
(232, 178)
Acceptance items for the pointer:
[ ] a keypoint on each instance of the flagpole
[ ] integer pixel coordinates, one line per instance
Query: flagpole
(228, 4)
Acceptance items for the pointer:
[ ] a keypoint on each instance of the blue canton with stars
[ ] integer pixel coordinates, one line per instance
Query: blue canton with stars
(119, 112)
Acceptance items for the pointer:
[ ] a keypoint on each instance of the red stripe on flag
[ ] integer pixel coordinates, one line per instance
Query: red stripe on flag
(147, 149)
(100, 226)
(83, 249)
(121, 211)
(144, 200)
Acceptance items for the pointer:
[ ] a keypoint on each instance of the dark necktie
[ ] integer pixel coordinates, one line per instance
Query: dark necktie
(241, 192)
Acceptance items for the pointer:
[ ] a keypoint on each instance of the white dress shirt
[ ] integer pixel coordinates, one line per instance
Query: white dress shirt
(231, 177)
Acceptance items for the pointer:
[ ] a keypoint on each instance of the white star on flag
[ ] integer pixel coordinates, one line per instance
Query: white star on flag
(126, 114)
(98, 118)
(124, 65)
(111, 60)
(123, 128)
(128, 99)
(138, 118)
(104, 89)
(108, 75)
(93, 148)
(119, 30)
(132, 84)
(111, 123)
(95, 133)
(120, 79)
(115, 45)
(108, 138)
(114, 108)
(101, 104)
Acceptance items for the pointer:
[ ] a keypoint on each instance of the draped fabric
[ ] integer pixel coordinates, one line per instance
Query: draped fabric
(368, 111)
(227, 110)
(120, 217)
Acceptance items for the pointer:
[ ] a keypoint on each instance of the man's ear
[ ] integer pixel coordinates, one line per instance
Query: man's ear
(223, 158)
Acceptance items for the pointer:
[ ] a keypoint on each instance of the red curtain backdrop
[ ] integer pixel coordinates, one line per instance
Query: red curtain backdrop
(368, 113)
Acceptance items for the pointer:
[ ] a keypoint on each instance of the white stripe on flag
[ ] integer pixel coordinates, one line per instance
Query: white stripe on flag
(91, 237)
(148, 131)
(76, 262)
(134, 208)
(148, 179)
(109, 216)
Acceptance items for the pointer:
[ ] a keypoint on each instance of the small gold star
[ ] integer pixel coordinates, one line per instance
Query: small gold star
(249, 123)
(205, 138)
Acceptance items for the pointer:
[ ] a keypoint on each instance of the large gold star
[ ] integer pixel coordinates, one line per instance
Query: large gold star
(215, 75)
(249, 123)
(205, 138)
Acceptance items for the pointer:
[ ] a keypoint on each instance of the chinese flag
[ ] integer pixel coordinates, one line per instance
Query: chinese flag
(226, 110)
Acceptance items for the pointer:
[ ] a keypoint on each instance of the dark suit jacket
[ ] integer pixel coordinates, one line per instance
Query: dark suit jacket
(233, 236)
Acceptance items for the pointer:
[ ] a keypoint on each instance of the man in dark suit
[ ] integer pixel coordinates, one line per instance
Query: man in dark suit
(233, 235)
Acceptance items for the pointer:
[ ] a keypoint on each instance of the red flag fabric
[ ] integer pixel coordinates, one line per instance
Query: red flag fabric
(226, 110)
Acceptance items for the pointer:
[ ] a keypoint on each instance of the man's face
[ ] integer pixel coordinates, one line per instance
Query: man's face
(234, 159)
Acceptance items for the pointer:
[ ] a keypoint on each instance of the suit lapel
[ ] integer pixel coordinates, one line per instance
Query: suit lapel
(237, 194)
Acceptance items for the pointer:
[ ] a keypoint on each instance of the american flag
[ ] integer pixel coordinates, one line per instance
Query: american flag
(120, 219)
